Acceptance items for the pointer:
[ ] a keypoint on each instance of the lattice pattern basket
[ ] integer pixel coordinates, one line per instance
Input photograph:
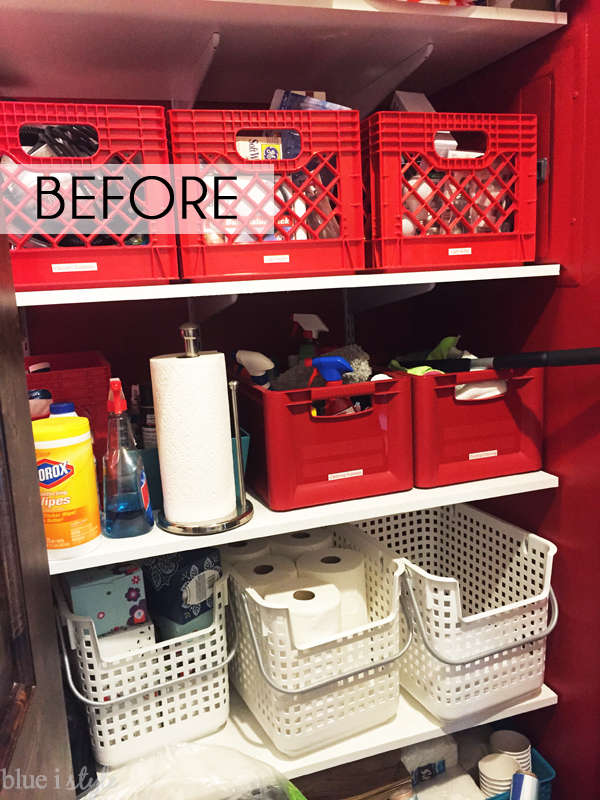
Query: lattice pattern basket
(356, 695)
(170, 692)
(473, 585)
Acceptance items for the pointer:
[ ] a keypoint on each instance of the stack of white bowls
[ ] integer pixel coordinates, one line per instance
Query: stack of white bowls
(495, 773)
(513, 744)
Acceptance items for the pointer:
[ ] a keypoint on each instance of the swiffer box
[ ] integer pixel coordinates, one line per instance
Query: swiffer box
(112, 596)
(179, 587)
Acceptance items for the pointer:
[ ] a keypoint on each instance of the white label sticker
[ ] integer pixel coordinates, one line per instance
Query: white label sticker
(200, 587)
(338, 476)
(276, 259)
(483, 454)
(86, 266)
(459, 251)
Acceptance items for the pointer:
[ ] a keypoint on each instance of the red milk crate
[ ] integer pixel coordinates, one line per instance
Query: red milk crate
(320, 227)
(429, 212)
(83, 378)
(468, 440)
(129, 134)
(296, 459)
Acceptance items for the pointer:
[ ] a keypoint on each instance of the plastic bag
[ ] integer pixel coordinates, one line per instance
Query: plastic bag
(194, 771)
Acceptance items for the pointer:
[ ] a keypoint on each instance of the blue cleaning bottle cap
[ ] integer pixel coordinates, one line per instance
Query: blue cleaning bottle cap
(332, 368)
(62, 408)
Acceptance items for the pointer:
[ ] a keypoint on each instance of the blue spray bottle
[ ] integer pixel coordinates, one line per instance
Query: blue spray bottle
(126, 497)
(331, 369)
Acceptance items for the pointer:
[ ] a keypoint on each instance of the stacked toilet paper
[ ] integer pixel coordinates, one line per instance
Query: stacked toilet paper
(323, 587)
(293, 545)
(266, 572)
(245, 551)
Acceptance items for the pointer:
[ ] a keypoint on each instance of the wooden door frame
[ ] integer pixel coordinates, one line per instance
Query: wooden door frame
(42, 746)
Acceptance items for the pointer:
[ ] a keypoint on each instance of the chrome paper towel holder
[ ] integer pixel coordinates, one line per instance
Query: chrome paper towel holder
(244, 510)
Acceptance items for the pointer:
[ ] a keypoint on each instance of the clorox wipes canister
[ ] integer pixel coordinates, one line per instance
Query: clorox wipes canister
(67, 478)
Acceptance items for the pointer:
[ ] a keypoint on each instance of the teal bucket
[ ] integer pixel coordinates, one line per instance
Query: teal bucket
(152, 467)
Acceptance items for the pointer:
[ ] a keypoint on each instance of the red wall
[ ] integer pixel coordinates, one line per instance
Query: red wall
(546, 314)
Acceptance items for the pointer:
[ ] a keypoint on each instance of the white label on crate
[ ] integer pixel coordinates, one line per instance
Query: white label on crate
(200, 587)
(338, 476)
(84, 266)
(459, 251)
(483, 454)
(276, 259)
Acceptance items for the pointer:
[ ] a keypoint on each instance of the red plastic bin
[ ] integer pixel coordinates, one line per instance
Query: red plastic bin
(297, 460)
(469, 440)
(328, 166)
(134, 134)
(428, 212)
(84, 379)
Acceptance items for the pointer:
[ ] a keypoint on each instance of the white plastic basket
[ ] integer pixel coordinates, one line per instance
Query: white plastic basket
(307, 698)
(477, 591)
(169, 692)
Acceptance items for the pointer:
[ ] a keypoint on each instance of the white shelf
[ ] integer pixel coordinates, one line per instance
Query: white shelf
(355, 50)
(351, 281)
(271, 523)
(412, 724)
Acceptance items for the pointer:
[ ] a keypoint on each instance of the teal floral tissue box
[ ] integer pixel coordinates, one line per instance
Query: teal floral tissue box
(179, 587)
(112, 596)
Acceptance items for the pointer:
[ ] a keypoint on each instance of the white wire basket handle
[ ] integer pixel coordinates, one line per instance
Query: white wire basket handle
(412, 612)
(320, 684)
(148, 690)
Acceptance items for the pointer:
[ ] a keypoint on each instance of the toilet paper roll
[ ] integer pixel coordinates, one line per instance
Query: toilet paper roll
(314, 607)
(293, 545)
(263, 573)
(194, 438)
(245, 551)
(346, 570)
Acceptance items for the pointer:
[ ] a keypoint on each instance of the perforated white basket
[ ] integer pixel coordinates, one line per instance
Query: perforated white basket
(476, 590)
(170, 692)
(307, 698)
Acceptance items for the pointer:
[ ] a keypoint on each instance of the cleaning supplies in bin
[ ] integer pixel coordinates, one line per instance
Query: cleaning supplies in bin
(257, 366)
(126, 496)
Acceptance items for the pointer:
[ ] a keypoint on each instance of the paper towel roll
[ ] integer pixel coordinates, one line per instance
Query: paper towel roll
(194, 438)
(314, 606)
(267, 571)
(346, 570)
(245, 551)
(292, 545)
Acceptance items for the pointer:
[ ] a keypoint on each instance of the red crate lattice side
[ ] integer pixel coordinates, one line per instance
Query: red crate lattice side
(318, 224)
(417, 199)
(129, 135)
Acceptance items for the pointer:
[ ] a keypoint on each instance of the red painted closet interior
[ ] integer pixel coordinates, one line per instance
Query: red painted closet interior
(557, 78)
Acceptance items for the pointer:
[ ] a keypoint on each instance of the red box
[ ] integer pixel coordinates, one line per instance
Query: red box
(134, 134)
(84, 379)
(428, 212)
(469, 440)
(329, 162)
(297, 460)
